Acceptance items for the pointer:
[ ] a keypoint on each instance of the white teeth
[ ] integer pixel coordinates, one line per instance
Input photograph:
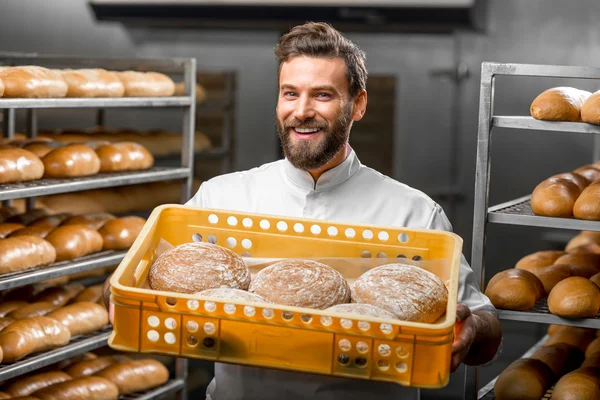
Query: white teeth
(300, 130)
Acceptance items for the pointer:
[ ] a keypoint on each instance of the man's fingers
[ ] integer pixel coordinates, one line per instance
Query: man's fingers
(111, 313)
(462, 312)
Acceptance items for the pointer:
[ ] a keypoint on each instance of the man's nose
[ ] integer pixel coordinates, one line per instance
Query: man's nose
(304, 109)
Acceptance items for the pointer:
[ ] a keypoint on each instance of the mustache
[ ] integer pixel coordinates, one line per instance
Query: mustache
(310, 124)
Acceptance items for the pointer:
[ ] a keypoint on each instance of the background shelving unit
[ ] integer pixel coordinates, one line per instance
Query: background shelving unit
(29, 190)
(518, 211)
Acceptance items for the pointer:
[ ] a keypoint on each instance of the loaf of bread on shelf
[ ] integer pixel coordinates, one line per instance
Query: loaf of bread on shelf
(7, 229)
(8, 306)
(538, 261)
(200, 92)
(524, 379)
(32, 82)
(93, 220)
(29, 384)
(25, 252)
(555, 197)
(590, 111)
(575, 297)
(514, 289)
(89, 387)
(590, 171)
(41, 227)
(120, 233)
(581, 181)
(82, 317)
(36, 309)
(588, 262)
(593, 349)
(559, 104)
(41, 146)
(30, 216)
(18, 165)
(136, 376)
(91, 367)
(32, 335)
(582, 239)
(74, 241)
(587, 205)
(124, 156)
(91, 293)
(562, 358)
(95, 82)
(553, 274)
(60, 295)
(192, 267)
(71, 161)
(146, 84)
(583, 383)
(7, 212)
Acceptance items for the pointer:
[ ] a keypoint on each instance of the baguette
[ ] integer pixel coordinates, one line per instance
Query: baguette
(136, 376)
(92, 293)
(124, 156)
(8, 228)
(32, 335)
(25, 252)
(7, 212)
(74, 241)
(559, 104)
(92, 83)
(60, 295)
(7, 307)
(86, 388)
(81, 318)
(71, 161)
(93, 220)
(4, 322)
(32, 82)
(27, 385)
(146, 84)
(18, 165)
(37, 309)
(91, 367)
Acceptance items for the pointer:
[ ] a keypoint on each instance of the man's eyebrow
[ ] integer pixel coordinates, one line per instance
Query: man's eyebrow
(314, 88)
(287, 86)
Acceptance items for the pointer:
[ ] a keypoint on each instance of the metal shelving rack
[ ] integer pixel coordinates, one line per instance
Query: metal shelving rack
(518, 211)
(28, 190)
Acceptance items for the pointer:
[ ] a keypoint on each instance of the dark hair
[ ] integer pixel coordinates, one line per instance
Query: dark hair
(319, 39)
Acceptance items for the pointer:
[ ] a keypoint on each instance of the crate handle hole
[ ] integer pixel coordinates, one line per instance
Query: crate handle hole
(282, 226)
(229, 309)
(383, 236)
(298, 227)
(268, 313)
(417, 258)
(365, 254)
(401, 256)
(367, 234)
(209, 328)
(383, 365)
(381, 254)
(402, 237)
(315, 229)
(153, 321)
(246, 243)
(249, 311)
(171, 301)
(384, 350)
(362, 347)
(247, 222)
(287, 315)
(210, 306)
(350, 233)
(326, 320)
(192, 326)
(232, 221)
(332, 231)
(346, 323)
(212, 239)
(213, 218)
(192, 341)
(196, 237)
(170, 338)
(401, 352)
(360, 362)
(231, 242)
(209, 342)
(345, 345)
(343, 359)
(401, 367)
(306, 318)
(153, 336)
(264, 224)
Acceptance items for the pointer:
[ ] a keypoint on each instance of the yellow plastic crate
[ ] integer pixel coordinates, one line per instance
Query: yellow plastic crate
(284, 337)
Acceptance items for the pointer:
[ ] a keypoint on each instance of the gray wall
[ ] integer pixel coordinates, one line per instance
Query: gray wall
(532, 31)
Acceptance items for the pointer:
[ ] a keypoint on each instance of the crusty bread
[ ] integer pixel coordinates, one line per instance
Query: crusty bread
(301, 283)
(538, 261)
(575, 297)
(362, 309)
(583, 383)
(524, 379)
(587, 205)
(32, 82)
(192, 267)
(559, 104)
(408, 292)
(554, 197)
(233, 294)
(94, 82)
(514, 289)
(590, 111)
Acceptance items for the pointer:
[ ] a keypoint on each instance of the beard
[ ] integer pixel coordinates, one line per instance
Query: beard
(309, 154)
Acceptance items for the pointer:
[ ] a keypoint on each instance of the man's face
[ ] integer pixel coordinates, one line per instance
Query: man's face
(314, 111)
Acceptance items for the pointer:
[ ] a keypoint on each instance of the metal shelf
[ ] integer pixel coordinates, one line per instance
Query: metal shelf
(88, 263)
(518, 212)
(487, 391)
(78, 345)
(170, 387)
(105, 102)
(541, 314)
(491, 396)
(45, 187)
(518, 122)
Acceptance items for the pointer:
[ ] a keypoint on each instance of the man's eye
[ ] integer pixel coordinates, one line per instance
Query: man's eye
(289, 94)
(323, 95)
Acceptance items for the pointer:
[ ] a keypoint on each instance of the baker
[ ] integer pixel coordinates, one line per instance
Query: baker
(322, 81)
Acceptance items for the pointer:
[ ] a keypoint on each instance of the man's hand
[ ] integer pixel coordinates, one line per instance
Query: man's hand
(465, 332)
(477, 337)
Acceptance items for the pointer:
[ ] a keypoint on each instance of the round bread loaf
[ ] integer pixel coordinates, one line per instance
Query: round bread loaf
(562, 358)
(575, 297)
(301, 283)
(583, 383)
(553, 274)
(524, 379)
(590, 111)
(537, 262)
(590, 171)
(559, 104)
(590, 260)
(514, 289)
(587, 248)
(581, 181)
(233, 294)
(555, 197)
(408, 292)
(596, 279)
(593, 348)
(573, 336)
(362, 309)
(192, 267)
(587, 205)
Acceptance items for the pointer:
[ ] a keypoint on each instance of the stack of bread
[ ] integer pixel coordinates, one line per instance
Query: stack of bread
(570, 279)
(570, 194)
(567, 104)
(38, 237)
(29, 160)
(569, 360)
(393, 291)
(40, 82)
(90, 375)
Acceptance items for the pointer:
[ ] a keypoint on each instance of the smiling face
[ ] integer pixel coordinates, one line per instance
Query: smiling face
(315, 111)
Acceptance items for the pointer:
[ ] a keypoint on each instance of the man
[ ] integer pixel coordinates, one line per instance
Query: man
(322, 80)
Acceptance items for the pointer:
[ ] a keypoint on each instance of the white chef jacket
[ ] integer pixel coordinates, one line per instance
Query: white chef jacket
(348, 193)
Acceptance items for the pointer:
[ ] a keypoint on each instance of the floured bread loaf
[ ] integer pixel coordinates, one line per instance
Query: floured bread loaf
(192, 267)
(301, 283)
(234, 294)
(362, 309)
(410, 293)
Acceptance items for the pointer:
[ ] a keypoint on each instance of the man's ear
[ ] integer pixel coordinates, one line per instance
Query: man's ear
(360, 106)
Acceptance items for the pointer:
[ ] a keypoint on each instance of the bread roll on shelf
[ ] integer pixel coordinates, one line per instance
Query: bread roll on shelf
(572, 336)
(90, 367)
(29, 384)
(575, 297)
(587, 205)
(120, 233)
(25, 252)
(124, 156)
(93, 220)
(36, 309)
(553, 274)
(74, 241)
(524, 379)
(585, 237)
(590, 111)
(89, 387)
(581, 181)
(91, 293)
(593, 348)
(71, 161)
(95, 82)
(559, 104)
(562, 358)
(7, 212)
(18, 165)
(29, 217)
(136, 376)
(200, 92)
(82, 317)
(555, 197)
(590, 260)
(514, 289)
(8, 228)
(146, 84)
(538, 261)
(583, 383)
(41, 148)
(60, 295)
(32, 82)
(590, 172)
